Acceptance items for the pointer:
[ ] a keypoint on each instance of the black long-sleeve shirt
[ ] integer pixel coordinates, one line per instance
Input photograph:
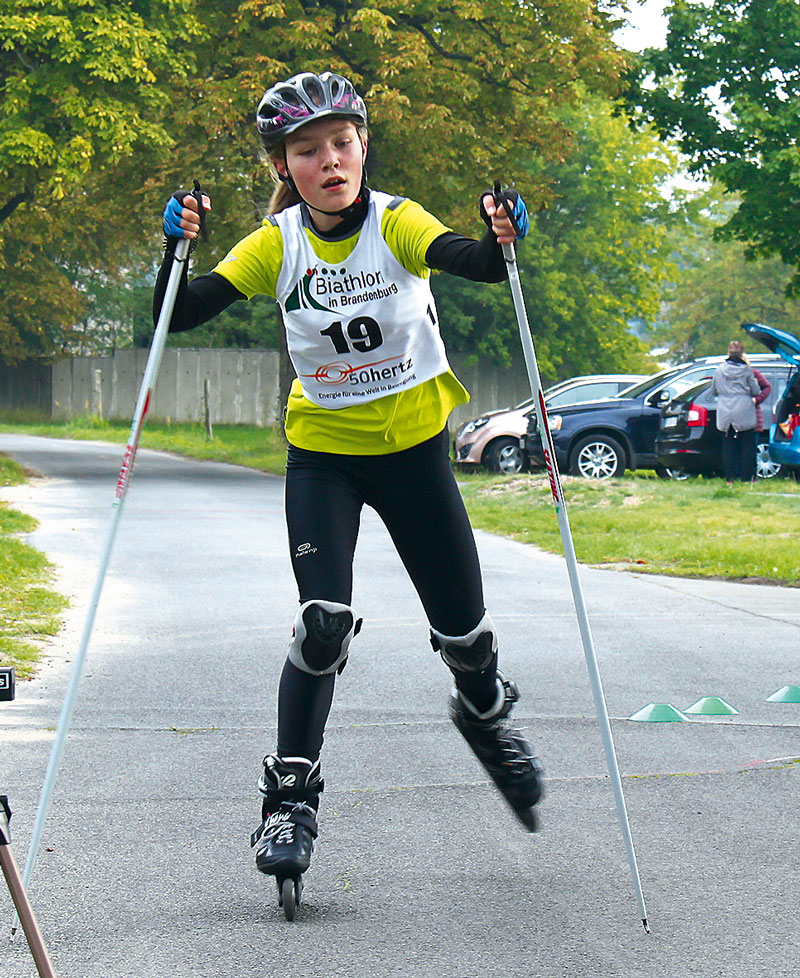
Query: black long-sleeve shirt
(206, 296)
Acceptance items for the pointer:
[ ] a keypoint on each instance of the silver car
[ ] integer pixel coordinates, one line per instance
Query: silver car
(493, 439)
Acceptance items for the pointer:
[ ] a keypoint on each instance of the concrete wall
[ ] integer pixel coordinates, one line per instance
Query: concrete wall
(490, 387)
(243, 386)
(26, 387)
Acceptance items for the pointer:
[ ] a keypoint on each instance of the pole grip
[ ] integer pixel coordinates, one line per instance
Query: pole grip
(501, 200)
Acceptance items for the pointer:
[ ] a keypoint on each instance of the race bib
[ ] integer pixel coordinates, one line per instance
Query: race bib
(359, 329)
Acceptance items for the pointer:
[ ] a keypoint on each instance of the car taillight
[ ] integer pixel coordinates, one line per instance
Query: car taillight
(697, 416)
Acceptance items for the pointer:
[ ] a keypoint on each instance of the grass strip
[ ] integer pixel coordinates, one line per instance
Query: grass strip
(696, 528)
(29, 610)
(255, 447)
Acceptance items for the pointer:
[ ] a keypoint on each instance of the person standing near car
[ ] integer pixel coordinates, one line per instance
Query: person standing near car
(736, 389)
(766, 390)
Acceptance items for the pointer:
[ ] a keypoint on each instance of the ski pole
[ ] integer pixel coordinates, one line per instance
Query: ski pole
(569, 549)
(30, 925)
(139, 415)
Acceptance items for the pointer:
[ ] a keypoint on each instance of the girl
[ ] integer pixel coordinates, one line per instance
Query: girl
(366, 423)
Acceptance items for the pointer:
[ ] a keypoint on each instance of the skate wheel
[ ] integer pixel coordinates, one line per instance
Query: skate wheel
(288, 898)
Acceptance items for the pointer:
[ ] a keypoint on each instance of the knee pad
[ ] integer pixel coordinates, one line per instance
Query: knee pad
(468, 653)
(322, 634)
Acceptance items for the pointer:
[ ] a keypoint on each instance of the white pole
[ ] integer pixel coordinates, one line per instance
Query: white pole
(572, 568)
(142, 407)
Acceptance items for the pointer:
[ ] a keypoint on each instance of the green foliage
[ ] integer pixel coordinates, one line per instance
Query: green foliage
(85, 84)
(104, 112)
(38, 304)
(451, 87)
(84, 96)
(716, 288)
(727, 87)
(594, 263)
(28, 609)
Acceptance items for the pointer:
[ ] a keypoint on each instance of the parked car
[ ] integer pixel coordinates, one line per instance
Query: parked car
(688, 442)
(601, 439)
(492, 440)
(784, 432)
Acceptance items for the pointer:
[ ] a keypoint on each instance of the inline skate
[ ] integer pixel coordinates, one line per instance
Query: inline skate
(283, 843)
(502, 750)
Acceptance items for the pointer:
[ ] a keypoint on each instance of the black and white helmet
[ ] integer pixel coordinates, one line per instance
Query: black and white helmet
(287, 106)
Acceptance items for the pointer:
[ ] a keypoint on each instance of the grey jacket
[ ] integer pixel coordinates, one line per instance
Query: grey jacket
(735, 386)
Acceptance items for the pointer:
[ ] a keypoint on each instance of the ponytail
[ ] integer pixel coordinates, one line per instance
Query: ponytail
(283, 196)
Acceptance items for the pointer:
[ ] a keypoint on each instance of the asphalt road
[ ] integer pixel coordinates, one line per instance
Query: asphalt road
(420, 870)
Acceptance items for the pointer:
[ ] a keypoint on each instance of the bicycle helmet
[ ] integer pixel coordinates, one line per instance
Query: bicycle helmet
(287, 106)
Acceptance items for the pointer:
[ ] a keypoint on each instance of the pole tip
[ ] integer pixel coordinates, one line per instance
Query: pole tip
(646, 925)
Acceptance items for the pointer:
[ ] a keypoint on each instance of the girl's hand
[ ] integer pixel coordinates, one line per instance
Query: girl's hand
(182, 216)
(497, 218)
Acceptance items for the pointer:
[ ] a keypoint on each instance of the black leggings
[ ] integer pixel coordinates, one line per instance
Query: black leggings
(416, 496)
(739, 454)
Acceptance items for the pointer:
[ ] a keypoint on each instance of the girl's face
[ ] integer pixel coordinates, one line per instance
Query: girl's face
(325, 159)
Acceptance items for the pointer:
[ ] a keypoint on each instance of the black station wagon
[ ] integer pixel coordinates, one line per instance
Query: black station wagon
(688, 442)
(601, 439)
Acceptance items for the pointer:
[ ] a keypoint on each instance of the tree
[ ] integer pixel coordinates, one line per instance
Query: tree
(84, 87)
(38, 304)
(594, 263)
(727, 88)
(716, 288)
(458, 92)
(109, 106)
(454, 90)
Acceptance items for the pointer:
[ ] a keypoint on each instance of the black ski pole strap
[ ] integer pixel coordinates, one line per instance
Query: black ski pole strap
(198, 196)
(501, 199)
(171, 242)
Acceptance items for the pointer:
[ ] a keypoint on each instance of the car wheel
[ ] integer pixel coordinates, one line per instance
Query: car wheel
(765, 467)
(597, 457)
(669, 472)
(504, 455)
